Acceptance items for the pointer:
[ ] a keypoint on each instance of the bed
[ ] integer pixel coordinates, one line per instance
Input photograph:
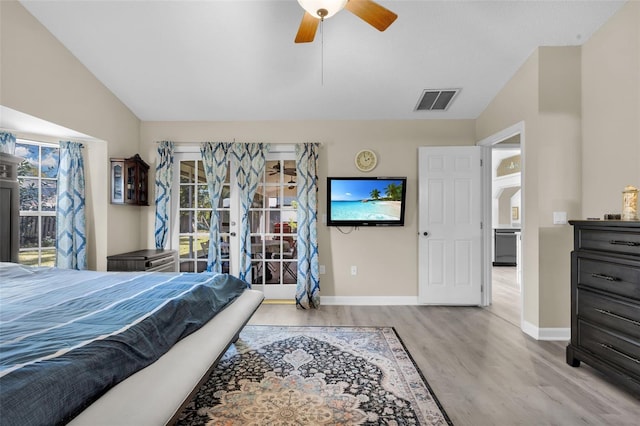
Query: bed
(111, 347)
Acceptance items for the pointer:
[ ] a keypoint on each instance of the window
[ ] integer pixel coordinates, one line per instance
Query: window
(37, 176)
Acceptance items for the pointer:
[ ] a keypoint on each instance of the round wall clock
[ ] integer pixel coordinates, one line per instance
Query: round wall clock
(366, 160)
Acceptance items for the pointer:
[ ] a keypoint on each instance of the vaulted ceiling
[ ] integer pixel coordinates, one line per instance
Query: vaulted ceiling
(237, 60)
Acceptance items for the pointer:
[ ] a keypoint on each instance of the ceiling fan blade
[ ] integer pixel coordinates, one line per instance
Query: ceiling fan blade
(372, 13)
(307, 30)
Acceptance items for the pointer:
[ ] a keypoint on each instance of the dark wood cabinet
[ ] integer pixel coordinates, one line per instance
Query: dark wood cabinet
(605, 299)
(144, 260)
(9, 208)
(129, 181)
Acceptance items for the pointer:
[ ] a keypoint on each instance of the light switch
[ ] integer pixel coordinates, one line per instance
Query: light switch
(559, 218)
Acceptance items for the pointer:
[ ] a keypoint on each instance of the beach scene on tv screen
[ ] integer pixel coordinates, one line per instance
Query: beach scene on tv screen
(366, 199)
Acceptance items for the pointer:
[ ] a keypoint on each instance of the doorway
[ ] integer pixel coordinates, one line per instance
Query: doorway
(504, 212)
(272, 221)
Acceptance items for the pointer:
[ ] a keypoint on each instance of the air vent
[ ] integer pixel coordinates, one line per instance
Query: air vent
(436, 100)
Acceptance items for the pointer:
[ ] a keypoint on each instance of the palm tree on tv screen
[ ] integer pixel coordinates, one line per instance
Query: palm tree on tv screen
(393, 191)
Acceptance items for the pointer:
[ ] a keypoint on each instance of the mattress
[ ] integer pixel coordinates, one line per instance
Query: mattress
(68, 336)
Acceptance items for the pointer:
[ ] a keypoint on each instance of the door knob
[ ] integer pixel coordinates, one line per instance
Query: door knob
(425, 233)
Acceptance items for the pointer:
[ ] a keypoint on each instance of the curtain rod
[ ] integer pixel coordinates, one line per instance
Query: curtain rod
(197, 142)
(234, 141)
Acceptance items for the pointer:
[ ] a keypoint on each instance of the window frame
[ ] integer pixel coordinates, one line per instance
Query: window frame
(44, 255)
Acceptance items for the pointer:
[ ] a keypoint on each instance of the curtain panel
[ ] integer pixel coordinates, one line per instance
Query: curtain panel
(71, 240)
(164, 179)
(308, 283)
(215, 156)
(249, 160)
(8, 143)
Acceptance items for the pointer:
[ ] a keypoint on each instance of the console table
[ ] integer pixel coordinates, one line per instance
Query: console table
(605, 299)
(144, 260)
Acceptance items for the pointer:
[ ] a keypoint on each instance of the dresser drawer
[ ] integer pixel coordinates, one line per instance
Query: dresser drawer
(610, 313)
(623, 242)
(611, 347)
(609, 276)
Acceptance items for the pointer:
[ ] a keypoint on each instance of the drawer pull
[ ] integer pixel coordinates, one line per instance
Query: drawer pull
(622, 354)
(624, 243)
(605, 277)
(611, 314)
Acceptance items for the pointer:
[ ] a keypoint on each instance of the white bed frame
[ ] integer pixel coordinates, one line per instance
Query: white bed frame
(156, 394)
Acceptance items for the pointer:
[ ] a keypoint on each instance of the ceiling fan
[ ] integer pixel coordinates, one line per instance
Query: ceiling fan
(275, 169)
(318, 10)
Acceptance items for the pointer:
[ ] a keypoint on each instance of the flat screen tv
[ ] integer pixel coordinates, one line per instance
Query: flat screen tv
(370, 201)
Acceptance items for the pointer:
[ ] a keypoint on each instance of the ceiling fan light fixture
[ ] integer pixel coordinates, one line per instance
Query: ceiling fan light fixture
(323, 9)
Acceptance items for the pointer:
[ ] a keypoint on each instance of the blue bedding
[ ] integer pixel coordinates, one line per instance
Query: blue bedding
(68, 336)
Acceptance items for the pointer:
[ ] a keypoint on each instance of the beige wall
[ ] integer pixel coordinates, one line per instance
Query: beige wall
(611, 112)
(518, 102)
(581, 109)
(40, 77)
(386, 257)
(545, 95)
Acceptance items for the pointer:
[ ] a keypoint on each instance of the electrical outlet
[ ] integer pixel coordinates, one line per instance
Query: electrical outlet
(354, 270)
(322, 270)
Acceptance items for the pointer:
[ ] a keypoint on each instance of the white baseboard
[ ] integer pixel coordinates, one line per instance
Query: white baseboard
(368, 300)
(546, 333)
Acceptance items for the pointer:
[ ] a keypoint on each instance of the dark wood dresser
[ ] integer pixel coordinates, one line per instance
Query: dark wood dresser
(144, 260)
(605, 299)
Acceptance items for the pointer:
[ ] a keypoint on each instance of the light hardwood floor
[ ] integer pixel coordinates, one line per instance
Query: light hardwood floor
(505, 294)
(482, 368)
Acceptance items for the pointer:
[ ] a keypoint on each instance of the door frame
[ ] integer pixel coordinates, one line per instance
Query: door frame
(487, 179)
(191, 150)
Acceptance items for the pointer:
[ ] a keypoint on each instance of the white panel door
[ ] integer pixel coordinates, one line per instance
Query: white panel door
(449, 223)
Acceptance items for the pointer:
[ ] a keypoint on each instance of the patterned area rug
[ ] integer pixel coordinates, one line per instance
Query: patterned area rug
(315, 376)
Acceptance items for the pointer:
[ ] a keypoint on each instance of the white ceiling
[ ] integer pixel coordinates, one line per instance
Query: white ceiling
(236, 60)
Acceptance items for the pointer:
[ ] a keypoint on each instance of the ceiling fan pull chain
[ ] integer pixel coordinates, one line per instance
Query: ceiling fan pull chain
(322, 52)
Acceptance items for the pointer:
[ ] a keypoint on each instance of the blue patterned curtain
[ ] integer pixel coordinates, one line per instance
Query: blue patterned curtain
(216, 160)
(308, 284)
(7, 143)
(249, 160)
(71, 240)
(164, 179)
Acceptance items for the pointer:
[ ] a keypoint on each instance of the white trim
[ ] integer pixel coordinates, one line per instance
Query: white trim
(369, 300)
(487, 179)
(510, 131)
(546, 333)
